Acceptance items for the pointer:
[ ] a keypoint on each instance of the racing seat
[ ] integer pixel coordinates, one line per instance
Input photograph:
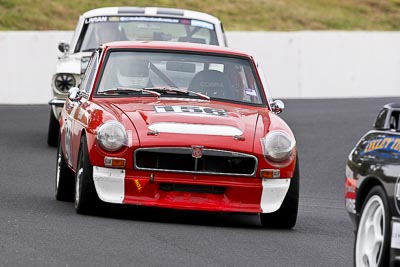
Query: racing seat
(208, 82)
(192, 40)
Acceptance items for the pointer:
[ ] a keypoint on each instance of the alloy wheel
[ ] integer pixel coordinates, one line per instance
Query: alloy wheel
(370, 235)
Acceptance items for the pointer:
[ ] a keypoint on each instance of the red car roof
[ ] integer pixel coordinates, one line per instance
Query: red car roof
(177, 46)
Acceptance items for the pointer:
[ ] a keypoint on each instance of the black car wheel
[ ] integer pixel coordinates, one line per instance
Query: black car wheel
(286, 216)
(86, 199)
(64, 178)
(54, 129)
(372, 238)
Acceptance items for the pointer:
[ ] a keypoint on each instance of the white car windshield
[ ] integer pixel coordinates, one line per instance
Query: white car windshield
(176, 74)
(99, 30)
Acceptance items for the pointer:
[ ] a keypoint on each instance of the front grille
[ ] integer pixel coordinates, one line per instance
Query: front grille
(193, 188)
(180, 160)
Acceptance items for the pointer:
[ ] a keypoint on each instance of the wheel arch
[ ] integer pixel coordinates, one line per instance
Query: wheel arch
(365, 188)
(77, 147)
(90, 142)
(82, 135)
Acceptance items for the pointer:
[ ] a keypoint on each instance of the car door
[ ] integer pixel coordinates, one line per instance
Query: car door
(78, 116)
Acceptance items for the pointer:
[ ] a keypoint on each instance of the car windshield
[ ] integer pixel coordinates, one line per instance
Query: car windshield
(180, 75)
(99, 30)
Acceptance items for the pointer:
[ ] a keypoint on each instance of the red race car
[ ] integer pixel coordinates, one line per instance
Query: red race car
(181, 126)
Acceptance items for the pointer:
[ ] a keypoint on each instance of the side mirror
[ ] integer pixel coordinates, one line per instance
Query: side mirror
(74, 94)
(277, 106)
(63, 47)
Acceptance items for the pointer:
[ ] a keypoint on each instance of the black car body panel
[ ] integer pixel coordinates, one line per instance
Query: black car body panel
(375, 161)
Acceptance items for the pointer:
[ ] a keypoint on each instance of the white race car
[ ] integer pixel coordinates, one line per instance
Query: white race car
(109, 24)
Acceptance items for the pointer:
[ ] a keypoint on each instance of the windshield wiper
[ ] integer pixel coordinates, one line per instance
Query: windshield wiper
(127, 90)
(157, 91)
(174, 91)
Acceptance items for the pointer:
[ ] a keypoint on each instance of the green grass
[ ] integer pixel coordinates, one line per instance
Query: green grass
(254, 15)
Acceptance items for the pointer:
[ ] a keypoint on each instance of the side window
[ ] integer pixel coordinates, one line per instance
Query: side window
(394, 121)
(381, 119)
(90, 72)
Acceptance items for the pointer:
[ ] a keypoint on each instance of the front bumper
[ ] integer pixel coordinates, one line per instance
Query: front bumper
(190, 192)
(56, 106)
(350, 200)
(395, 242)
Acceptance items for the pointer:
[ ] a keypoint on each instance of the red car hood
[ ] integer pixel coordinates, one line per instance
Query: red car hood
(186, 124)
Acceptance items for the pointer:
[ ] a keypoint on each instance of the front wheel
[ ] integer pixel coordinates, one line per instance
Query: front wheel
(86, 199)
(372, 238)
(286, 216)
(54, 128)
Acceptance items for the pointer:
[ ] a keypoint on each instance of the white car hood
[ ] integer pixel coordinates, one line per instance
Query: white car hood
(71, 63)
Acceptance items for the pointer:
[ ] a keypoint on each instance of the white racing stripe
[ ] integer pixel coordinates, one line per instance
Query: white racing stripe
(188, 128)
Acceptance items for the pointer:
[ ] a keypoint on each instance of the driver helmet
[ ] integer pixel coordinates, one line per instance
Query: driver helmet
(133, 73)
(107, 32)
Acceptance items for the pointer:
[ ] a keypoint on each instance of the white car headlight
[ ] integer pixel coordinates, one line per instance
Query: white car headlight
(64, 81)
(277, 146)
(111, 136)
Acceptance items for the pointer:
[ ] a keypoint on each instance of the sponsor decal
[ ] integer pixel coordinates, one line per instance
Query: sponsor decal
(390, 144)
(191, 109)
(96, 19)
(113, 19)
(149, 19)
(139, 185)
(127, 19)
(197, 152)
(250, 92)
(185, 21)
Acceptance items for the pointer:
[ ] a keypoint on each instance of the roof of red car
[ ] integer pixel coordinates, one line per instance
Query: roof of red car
(177, 46)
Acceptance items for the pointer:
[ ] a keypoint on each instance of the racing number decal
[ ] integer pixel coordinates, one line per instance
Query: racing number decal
(191, 109)
(68, 133)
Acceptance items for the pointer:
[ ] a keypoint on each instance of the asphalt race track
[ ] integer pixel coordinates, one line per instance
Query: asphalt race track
(37, 230)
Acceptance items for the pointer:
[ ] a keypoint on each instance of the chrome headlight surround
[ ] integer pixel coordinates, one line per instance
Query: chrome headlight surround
(111, 136)
(278, 147)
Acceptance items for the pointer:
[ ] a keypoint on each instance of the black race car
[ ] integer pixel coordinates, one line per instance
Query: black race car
(372, 191)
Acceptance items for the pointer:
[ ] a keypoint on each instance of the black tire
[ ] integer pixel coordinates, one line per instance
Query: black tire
(86, 199)
(286, 216)
(54, 129)
(64, 183)
(375, 204)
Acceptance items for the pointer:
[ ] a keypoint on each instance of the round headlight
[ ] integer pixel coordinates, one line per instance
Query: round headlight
(64, 81)
(111, 136)
(277, 146)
